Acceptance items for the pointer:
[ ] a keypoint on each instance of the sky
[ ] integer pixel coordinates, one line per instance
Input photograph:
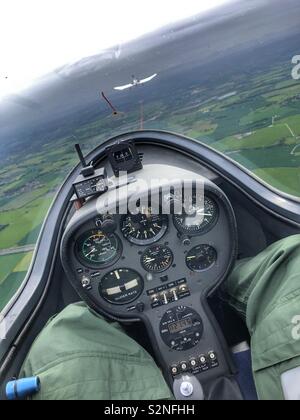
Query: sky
(38, 36)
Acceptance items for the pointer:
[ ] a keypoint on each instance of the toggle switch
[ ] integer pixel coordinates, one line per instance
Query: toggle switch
(174, 295)
(85, 282)
(165, 300)
(155, 299)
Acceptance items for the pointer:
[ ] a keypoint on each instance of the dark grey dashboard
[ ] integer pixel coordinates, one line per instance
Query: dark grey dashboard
(160, 260)
(158, 267)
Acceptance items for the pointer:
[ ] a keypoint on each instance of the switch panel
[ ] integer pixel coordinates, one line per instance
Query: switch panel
(168, 293)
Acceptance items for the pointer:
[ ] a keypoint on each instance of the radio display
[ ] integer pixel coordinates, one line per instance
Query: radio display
(181, 325)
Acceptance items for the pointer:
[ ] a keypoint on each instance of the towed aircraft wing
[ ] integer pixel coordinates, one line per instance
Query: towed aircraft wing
(148, 79)
(130, 85)
(136, 83)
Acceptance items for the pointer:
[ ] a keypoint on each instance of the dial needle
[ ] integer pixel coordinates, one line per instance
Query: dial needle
(93, 250)
(201, 213)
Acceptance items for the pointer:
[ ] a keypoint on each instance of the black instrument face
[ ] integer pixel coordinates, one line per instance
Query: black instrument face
(197, 219)
(201, 258)
(157, 259)
(144, 228)
(181, 328)
(124, 158)
(121, 286)
(97, 249)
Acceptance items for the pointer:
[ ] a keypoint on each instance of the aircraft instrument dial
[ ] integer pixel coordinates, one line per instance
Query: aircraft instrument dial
(121, 286)
(97, 249)
(157, 259)
(201, 258)
(197, 219)
(144, 228)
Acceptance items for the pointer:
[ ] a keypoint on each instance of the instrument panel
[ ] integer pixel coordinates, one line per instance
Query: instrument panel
(98, 250)
(151, 260)
(157, 268)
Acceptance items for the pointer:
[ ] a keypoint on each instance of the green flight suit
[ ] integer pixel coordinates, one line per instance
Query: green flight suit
(80, 356)
(265, 290)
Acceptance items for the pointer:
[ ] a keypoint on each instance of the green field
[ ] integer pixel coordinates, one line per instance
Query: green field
(8, 264)
(265, 137)
(13, 269)
(22, 221)
(280, 177)
(10, 286)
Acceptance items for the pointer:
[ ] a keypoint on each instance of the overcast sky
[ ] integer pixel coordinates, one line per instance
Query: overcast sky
(37, 36)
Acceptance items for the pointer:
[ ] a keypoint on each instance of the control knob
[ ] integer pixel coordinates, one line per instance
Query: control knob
(186, 389)
(85, 282)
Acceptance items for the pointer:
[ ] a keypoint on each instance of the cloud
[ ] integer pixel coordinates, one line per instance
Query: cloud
(43, 36)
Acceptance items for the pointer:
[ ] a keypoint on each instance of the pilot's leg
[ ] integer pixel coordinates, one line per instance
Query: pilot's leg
(80, 356)
(265, 290)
